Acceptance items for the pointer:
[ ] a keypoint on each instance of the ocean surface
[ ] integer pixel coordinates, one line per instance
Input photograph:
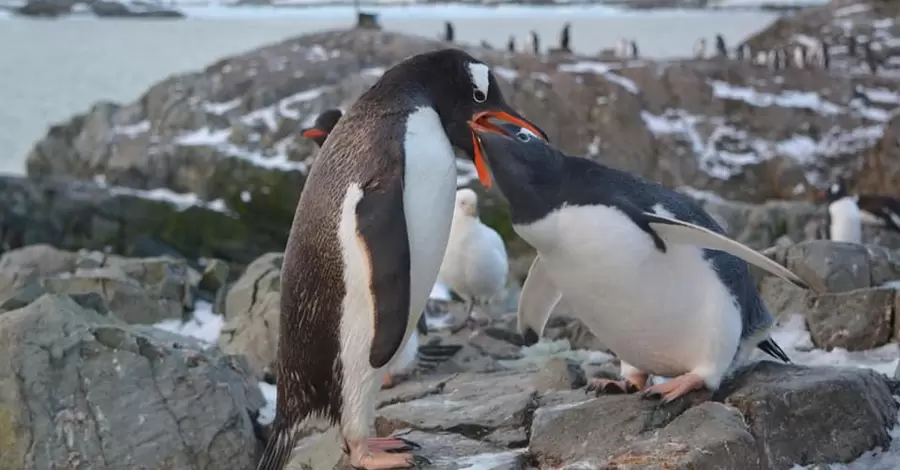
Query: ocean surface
(53, 69)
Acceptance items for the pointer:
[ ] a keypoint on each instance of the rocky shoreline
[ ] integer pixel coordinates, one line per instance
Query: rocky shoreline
(140, 264)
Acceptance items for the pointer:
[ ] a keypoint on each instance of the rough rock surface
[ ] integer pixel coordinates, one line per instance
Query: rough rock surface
(79, 389)
(769, 416)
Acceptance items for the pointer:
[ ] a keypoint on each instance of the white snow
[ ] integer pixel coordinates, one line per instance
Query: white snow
(133, 130)
(506, 73)
(204, 325)
(599, 68)
(439, 291)
(881, 95)
(488, 461)
(785, 99)
(851, 10)
(267, 412)
(181, 201)
(218, 139)
(221, 108)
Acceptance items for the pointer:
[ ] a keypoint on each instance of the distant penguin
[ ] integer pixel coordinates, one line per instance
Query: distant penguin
(412, 353)
(475, 264)
(634, 50)
(844, 219)
(721, 50)
(564, 38)
(826, 55)
(511, 44)
(366, 245)
(743, 52)
(851, 45)
(777, 59)
(449, 32)
(486, 45)
(700, 48)
(535, 43)
(621, 50)
(869, 57)
(799, 56)
(629, 256)
(874, 209)
(762, 57)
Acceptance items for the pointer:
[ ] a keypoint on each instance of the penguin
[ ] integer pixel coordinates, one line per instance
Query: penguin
(535, 43)
(486, 44)
(621, 50)
(847, 211)
(511, 44)
(413, 352)
(869, 57)
(564, 38)
(366, 244)
(630, 257)
(743, 52)
(448, 31)
(825, 60)
(851, 45)
(700, 48)
(475, 264)
(634, 50)
(721, 50)
(762, 58)
(799, 56)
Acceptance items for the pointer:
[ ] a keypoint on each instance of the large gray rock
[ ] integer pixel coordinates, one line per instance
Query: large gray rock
(81, 390)
(252, 312)
(856, 320)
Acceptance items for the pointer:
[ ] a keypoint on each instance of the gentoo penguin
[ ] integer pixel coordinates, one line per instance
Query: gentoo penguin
(564, 38)
(535, 43)
(762, 58)
(700, 48)
(511, 44)
(475, 264)
(869, 57)
(873, 209)
(844, 220)
(448, 31)
(721, 50)
(364, 251)
(630, 258)
(413, 353)
(825, 60)
(634, 50)
(743, 52)
(799, 56)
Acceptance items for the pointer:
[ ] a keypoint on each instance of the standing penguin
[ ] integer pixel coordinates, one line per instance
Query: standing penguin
(449, 33)
(799, 56)
(743, 52)
(848, 211)
(535, 43)
(413, 352)
(721, 50)
(851, 45)
(366, 245)
(564, 38)
(630, 257)
(700, 48)
(511, 44)
(634, 50)
(826, 55)
(621, 50)
(869, 57)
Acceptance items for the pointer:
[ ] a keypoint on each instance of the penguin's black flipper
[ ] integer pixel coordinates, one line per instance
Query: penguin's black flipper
(639, 218)
(381, 224)
(422, 325)
(770, 347)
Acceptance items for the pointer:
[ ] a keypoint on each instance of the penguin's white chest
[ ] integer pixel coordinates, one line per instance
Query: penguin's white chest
(429, 194)
(846, 220)
(664, 313)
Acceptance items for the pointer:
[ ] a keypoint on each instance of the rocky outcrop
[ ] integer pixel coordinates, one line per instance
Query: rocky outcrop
(79, 389)
(857, 301)
(768, 416)
(132, 9)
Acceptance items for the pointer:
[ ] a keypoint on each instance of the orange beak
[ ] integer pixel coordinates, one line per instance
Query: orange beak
(312, 133)
(481, 122)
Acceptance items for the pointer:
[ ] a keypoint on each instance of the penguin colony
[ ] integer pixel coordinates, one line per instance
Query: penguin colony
(628, 255)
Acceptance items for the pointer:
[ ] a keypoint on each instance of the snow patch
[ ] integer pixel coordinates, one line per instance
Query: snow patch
(785, 99)
(204, 325)
(599, 68)
(133, 130)
(181, 201)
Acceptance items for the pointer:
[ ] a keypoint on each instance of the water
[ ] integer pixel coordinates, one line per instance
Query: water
(50, 70)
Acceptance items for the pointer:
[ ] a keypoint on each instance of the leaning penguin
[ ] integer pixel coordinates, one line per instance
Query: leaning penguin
(366, 244)
(647, 270)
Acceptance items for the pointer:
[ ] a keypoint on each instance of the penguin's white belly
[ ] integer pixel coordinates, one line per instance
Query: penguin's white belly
(664, 313)
(846, 221)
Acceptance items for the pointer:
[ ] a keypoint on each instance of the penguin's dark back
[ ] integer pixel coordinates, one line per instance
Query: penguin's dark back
(364, 148)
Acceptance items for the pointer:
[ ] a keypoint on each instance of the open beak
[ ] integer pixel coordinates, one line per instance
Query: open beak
(313, 133)
(481, 122)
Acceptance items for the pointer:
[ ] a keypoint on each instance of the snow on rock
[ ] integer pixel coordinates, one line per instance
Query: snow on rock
(181, 201)
(600, 68)
(204, 325)
(785, 99)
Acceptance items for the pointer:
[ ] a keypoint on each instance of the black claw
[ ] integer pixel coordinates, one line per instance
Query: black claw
(419, 461)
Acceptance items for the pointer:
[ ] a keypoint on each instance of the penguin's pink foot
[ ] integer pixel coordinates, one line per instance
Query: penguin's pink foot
(632, 384)
(387, 382)
(375, 460)
(390, 444)
(677, 388)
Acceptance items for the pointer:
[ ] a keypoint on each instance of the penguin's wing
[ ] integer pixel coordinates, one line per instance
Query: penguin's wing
(679, 231)
(539, 296)
(381, 225)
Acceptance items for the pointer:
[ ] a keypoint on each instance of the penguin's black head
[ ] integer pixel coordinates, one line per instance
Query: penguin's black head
(465, 95)
(836, 190)
(325, 122)
(518, 156)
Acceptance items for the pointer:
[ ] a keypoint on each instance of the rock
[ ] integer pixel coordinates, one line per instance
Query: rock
(79, 389)
(252, 311)
(813, 415)
(45, 8)
(771, 418)
(41, 258)
(828, 266)
(578, 335)
(215, 275)
(559, 374)
(856, 320)
(132, 9)
(73, 215)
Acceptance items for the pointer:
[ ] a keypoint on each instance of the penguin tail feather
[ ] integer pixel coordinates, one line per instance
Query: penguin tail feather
(770, 347)
(278, 449)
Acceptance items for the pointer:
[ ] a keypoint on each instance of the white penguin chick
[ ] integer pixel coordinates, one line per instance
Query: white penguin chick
(475, 264)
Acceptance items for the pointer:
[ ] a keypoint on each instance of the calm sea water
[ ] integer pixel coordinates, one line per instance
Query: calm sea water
(50, 70)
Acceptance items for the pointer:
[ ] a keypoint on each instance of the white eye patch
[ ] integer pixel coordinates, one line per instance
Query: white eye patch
(480, 74)
(524, 134)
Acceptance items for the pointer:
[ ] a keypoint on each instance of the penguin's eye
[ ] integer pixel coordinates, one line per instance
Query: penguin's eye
(479, 96)
(523, 136)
